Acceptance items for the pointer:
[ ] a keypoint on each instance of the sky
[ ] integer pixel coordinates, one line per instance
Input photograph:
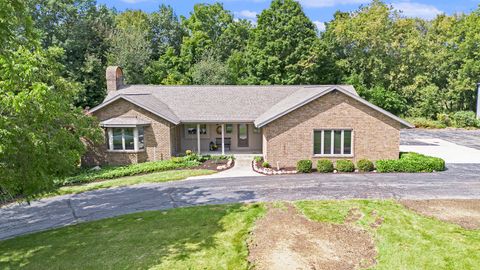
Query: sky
(319, 11)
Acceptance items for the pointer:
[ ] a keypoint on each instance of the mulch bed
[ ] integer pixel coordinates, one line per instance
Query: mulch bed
(214, 164)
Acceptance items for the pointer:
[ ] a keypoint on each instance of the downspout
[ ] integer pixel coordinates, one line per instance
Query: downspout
(478, 100)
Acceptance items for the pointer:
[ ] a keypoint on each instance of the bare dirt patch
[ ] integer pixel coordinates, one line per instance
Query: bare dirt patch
(285, 239)
(465, 213)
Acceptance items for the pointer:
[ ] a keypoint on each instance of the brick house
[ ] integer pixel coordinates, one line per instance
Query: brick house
(284, 123)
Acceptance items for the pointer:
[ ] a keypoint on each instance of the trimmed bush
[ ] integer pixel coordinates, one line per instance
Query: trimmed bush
(411, 162)
(464, 119)
(345, 166)
(129, 170)
(421, 122)
(258, 158)
(324, 166)
(265, 164)
(304, 166)
(365, 165)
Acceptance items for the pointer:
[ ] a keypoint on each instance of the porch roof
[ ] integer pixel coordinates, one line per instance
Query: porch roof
(124, 122)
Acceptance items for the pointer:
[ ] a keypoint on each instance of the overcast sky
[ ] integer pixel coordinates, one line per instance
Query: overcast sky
(319, 11)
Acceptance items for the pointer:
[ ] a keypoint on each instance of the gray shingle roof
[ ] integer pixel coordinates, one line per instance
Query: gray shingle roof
(221, 103)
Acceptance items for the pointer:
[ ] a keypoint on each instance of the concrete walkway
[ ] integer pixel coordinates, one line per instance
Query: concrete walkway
(242, 168)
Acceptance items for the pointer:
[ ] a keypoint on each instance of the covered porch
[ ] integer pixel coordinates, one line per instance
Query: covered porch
(219, 138)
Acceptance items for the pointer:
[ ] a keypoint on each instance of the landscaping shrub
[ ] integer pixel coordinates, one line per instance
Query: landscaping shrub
(304, 166)
(421, 122)
(345, 166)
(265, 164)
(258, 158)
(411, 162)
(140, 168)
(365, 165)
(464, 119)
(324, 166)
(444, 119)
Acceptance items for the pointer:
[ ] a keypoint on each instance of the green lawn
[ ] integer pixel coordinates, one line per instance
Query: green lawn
(206, 237)
(132, 180)
(405, 240)
(215, 237)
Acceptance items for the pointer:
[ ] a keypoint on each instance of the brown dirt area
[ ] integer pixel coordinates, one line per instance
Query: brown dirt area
(465, 213)
(285, 239)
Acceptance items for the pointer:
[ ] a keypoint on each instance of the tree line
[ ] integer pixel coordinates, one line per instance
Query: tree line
(53, 57)
(409, 66)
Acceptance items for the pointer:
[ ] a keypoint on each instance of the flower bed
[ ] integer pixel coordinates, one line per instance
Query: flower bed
(258, 165)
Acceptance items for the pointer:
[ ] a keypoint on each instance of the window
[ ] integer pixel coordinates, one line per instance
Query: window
(126, 139)
(228, 128)
(191, 129)
(332, 142)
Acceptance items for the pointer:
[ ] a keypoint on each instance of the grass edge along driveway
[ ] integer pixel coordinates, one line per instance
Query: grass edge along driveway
(156, 177)
(215, 237)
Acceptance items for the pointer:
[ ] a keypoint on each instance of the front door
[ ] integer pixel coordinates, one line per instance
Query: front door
(242, 135)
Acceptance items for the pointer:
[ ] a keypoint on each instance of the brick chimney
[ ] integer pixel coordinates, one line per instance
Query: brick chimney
(114, 78)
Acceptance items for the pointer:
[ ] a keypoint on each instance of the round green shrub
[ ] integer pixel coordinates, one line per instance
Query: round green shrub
(304, 166)
(345, 165)
(258, 158)
(324, 166)
(464, 119)
(365, 165)
(265, 164)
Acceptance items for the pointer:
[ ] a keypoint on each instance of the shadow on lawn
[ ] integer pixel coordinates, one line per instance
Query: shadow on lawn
(139, 240)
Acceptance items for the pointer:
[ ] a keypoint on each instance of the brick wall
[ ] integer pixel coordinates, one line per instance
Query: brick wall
(290, 138)
(159, 137)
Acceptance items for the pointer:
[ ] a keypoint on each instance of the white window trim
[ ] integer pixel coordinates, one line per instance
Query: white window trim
(332, 146)
(135, 141)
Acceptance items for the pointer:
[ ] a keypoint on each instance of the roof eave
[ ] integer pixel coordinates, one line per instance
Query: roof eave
(105, 103)
(358, 98)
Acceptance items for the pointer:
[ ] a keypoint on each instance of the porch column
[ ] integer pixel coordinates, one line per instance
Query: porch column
(223, 139)
(198, 139)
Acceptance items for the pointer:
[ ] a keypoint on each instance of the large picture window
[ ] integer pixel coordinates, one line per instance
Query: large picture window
(126, 139)
(332, 142)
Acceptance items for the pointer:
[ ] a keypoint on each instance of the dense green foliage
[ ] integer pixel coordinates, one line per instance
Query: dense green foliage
(304, 166)
(411, 162)
(324, 166)
(40, 128)
(345, 165)
(128, 170)
(408, 66)
(205, 237)
(365, 165)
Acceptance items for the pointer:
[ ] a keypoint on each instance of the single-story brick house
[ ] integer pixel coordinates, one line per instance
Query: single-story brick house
(284, 123)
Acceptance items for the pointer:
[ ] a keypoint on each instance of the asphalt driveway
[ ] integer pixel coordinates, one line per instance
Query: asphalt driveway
(461, 181)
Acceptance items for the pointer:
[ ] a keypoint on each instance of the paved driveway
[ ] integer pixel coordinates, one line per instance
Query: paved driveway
(459, 181)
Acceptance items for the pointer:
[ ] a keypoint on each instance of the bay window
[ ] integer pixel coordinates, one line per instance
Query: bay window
(126, 138)
(332, 142)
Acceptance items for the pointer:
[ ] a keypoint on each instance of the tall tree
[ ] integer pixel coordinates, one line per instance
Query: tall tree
(131, 48)
(280, 50)
(165, 31)
(40, 129)
(82, 28)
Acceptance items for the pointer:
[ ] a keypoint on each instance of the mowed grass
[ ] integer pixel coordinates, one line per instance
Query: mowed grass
(205, 237)
(131, 180)
(405, 240)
